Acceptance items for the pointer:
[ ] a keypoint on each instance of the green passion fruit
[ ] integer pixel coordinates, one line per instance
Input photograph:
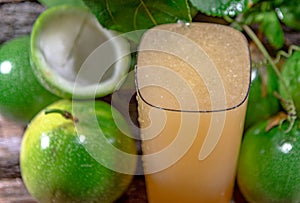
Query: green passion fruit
(65, 158)
(21, 95)
(268, 168)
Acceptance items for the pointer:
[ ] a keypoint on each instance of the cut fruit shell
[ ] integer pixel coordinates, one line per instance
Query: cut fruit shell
(73, 56)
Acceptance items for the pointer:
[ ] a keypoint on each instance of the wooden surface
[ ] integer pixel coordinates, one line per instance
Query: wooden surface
(17, 18)
(11, 186)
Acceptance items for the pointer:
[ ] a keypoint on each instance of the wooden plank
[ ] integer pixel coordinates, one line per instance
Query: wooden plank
(16, 19)
(14, 191)
(10, 141)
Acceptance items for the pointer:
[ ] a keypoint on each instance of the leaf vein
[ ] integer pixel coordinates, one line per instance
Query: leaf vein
(110, 12)
(148, 12)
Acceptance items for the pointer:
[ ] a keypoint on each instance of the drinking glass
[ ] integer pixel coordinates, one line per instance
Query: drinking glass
(192, 84)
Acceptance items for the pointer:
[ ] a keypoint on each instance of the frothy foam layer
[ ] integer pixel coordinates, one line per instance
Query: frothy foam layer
(200, 67)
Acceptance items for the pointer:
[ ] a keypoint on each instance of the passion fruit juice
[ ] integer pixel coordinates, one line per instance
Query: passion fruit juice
(190, 179)
(191, 105)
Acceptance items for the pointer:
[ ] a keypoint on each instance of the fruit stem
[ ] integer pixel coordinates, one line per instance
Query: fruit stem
(287, 54)
(263, 50)
(64, 113)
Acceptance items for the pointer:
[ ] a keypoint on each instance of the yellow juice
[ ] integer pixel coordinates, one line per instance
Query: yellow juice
(191, 179)
(191, 103)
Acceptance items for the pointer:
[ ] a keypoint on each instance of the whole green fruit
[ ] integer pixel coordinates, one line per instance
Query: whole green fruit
(21, 95)
(269, 168)
(65, 155)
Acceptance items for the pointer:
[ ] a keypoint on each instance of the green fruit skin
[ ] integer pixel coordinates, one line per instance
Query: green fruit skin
(22, 96)
(269, 167)
(261, 102)
(291, 75)
(56, 166)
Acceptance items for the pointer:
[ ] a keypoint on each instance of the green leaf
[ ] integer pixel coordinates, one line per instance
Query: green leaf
(252, 2)
(271, 26)
(265, 16)
(221, 8)
(289, 13)
(51, 3)
(130, 15)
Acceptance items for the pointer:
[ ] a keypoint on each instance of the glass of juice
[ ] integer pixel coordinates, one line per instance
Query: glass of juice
(192, 86)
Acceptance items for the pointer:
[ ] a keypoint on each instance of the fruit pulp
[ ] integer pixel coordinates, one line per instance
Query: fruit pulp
(192, 84)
